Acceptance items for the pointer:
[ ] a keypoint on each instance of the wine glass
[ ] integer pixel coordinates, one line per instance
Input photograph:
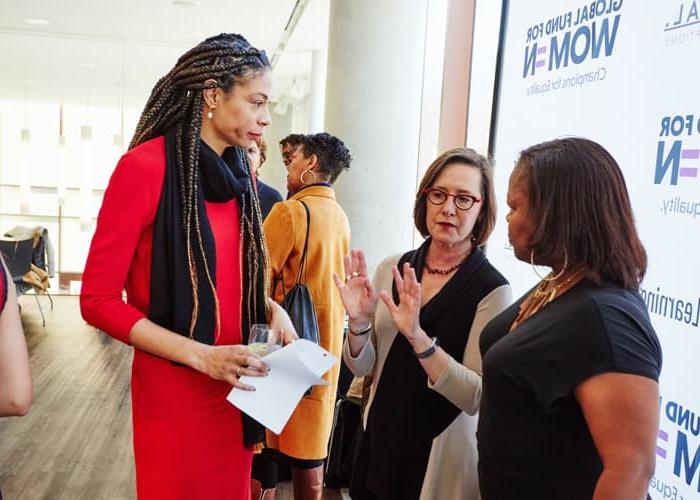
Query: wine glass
(264, 340)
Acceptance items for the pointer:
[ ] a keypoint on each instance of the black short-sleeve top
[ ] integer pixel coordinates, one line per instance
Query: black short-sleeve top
(532, 432)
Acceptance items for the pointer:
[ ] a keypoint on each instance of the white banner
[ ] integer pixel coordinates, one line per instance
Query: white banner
(627, 75)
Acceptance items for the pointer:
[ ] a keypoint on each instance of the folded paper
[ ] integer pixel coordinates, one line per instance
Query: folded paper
(293, 369)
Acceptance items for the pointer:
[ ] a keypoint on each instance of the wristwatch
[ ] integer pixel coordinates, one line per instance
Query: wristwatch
(429, 351)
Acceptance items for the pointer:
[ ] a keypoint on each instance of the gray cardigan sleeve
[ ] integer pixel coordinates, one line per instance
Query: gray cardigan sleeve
(460, 383)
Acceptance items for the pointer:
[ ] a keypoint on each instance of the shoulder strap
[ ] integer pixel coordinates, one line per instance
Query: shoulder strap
(302, 264)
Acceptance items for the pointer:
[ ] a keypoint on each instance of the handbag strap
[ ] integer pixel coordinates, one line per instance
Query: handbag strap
(302, 264)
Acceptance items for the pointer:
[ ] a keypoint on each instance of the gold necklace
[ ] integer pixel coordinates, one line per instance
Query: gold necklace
(547, 290)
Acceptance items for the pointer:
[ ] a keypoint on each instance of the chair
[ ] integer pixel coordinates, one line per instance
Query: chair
(17, 255)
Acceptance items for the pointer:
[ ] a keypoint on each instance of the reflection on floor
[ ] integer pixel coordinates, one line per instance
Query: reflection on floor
(76, 441)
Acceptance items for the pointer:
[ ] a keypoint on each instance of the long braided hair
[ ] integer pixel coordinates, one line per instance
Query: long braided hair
(176, 104)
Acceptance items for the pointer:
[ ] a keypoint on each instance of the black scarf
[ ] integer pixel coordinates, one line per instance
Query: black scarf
(221, 179)
(406, 415)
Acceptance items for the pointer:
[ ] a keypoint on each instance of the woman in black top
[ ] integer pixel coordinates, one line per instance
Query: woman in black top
(570, 402)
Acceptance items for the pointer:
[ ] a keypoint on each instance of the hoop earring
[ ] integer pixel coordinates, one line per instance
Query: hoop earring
(301, 177)
(556, 276)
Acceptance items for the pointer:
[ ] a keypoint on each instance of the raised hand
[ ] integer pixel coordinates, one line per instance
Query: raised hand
(406, 314)
(357, 293)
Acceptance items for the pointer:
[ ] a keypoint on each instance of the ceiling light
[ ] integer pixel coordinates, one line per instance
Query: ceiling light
(185, 3)
(37, 21)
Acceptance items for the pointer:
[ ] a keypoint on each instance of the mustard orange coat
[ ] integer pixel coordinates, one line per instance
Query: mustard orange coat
(306, 434)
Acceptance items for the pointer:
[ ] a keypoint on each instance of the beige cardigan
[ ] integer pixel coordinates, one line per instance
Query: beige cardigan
(451, 471)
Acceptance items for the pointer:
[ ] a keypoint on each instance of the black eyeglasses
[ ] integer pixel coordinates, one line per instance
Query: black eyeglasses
(462, 201)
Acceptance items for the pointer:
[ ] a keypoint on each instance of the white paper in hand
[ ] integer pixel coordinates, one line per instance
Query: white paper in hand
(293, 369)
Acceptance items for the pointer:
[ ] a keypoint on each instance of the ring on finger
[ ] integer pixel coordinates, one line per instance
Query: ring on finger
(238, 372)
(355, 274)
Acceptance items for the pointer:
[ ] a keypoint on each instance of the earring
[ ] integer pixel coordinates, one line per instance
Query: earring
(313, 175)
(210, 115)
(549, 278)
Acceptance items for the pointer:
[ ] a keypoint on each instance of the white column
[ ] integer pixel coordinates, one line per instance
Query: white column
(373, 103)
(432, 98)
(299, 110)
(317, 97)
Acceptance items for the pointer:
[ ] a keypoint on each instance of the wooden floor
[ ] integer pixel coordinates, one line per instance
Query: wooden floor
(75, 443)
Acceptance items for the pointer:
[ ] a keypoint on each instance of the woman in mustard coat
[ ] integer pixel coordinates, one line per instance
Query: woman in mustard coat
(313, 164)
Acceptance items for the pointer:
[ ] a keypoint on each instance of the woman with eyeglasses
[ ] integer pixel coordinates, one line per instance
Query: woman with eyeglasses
(267, 195)
(420, 344)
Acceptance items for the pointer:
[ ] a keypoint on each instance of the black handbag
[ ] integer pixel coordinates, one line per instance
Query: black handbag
(297, 301)
(345, 438)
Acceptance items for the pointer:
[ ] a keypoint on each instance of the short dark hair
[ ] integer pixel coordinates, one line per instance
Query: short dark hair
(332, 154)
(582, 211)
(291, 140)
(487, 218)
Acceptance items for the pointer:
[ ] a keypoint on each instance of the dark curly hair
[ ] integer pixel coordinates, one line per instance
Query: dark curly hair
(333, 156)
(292, 140)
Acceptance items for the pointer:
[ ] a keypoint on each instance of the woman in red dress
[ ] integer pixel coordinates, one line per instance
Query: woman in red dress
(180, 230)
